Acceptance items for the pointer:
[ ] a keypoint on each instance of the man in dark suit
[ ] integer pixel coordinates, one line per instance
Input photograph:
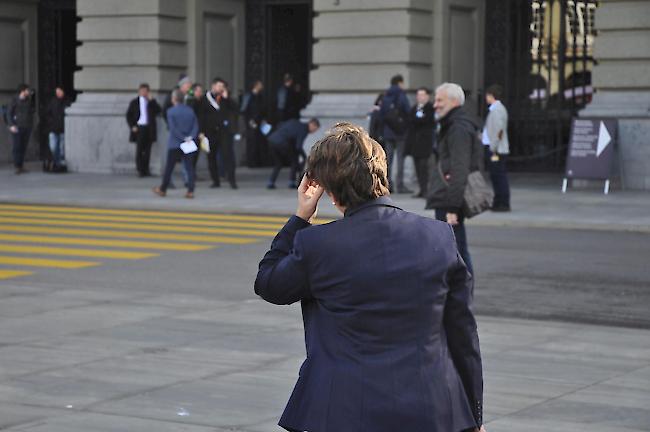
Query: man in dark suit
(286, 145)
(391, 342)
(141, 118)
(419, 140)
(216, 114)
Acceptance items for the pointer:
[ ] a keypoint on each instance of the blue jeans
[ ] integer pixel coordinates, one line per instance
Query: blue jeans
(57, 147)
(20, 140)
(173, 156)
(461, 238)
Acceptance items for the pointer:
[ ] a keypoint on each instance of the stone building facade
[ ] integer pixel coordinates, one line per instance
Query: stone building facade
(344, 53)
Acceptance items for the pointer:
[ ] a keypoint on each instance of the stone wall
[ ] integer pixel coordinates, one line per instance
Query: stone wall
(622, 82)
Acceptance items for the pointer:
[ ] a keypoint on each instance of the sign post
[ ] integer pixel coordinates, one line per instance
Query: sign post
(591, 150)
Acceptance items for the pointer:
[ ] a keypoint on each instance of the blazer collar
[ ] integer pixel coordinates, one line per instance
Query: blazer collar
(381, 201)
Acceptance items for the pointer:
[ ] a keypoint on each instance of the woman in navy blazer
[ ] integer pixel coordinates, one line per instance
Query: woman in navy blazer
(391, 341)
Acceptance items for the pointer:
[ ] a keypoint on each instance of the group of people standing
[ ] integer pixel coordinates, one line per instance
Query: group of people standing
(195, 119)
(19, 117)
(216, 115)
(447, 144)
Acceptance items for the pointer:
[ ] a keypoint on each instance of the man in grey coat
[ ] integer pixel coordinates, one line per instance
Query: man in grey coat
(495, 138)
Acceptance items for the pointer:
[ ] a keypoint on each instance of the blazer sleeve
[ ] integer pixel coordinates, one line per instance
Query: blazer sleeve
(462, 334)
(130, 115)
(493, 125)
(282, 276)
(195, 126)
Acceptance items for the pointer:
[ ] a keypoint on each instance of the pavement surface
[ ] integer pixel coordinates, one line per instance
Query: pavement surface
(122, 311)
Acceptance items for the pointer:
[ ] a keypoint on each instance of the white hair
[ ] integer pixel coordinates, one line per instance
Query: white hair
(453, 91)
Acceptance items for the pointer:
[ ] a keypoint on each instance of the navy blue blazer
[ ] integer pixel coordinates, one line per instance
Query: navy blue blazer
(391, 342)
(182, 123)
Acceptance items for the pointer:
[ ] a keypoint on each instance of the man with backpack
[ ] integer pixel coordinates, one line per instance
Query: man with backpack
(394, 115)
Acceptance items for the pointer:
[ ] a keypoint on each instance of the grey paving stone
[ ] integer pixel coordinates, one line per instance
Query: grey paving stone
(94, 422)
(16, 415)
(238, 400)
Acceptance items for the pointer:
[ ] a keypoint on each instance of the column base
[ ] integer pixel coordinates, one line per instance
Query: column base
(97, 136)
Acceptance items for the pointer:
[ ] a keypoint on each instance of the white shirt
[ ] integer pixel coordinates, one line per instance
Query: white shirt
(144, 119)
(485, 138)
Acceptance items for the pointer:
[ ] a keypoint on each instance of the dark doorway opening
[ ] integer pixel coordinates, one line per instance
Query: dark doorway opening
(278, 41)
(57, 57)
(288, 46)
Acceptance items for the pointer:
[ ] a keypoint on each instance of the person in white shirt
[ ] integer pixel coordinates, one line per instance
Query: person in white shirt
(497, 146)
(141, 118)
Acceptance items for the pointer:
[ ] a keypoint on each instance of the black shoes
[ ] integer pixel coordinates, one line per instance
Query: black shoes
(501, 209)
(215, 185)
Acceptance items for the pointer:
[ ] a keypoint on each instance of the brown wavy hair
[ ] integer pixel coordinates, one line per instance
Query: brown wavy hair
(349, 164)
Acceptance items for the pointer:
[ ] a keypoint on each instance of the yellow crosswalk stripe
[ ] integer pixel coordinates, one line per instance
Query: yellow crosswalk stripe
(154, 213)
(93, 253)
(148, 220)
(8, 274)
(134, 235)
(42, 262)
(132, 226)
(102, 242)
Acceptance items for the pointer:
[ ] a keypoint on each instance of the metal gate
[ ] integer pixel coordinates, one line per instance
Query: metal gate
(541, 52)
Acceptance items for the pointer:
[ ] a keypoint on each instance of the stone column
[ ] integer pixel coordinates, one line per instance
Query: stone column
(359, 45)
(124, 43)
(622, 83)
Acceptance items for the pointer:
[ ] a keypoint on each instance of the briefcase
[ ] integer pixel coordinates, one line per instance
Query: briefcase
(478, 195)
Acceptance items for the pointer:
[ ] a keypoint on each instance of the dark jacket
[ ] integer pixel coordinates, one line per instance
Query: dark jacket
(252, 108)
(459, 153)
(422, 123)
(21, 112)
(55, 115)
(182, 123)
(395, 97)
(376, 127)
(217, 124)
(391, 342)
(292, 132)
(133, 115)
(289, 103)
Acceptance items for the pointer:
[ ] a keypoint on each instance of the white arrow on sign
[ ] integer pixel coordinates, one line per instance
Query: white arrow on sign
(603, 139)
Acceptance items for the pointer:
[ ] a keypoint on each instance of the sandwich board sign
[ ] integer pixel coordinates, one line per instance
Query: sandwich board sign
(591, 150)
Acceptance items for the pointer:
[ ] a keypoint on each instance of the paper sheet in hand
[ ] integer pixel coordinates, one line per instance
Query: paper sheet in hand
(265, 128)
(189, 147)
(204, 143)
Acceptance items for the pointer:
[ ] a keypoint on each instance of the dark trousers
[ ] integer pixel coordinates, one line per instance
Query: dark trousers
(173, 156)
(254, 141)
(282, 154)
(461, 238)
(392, 146)
(223, 147)
(500, 183)
(20, 141)
(143, 150)
(422, 172)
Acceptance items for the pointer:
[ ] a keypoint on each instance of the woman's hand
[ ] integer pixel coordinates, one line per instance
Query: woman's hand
(309, 192)
(480, 430)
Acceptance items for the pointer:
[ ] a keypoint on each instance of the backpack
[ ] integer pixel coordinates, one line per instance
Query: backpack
(396, 120)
